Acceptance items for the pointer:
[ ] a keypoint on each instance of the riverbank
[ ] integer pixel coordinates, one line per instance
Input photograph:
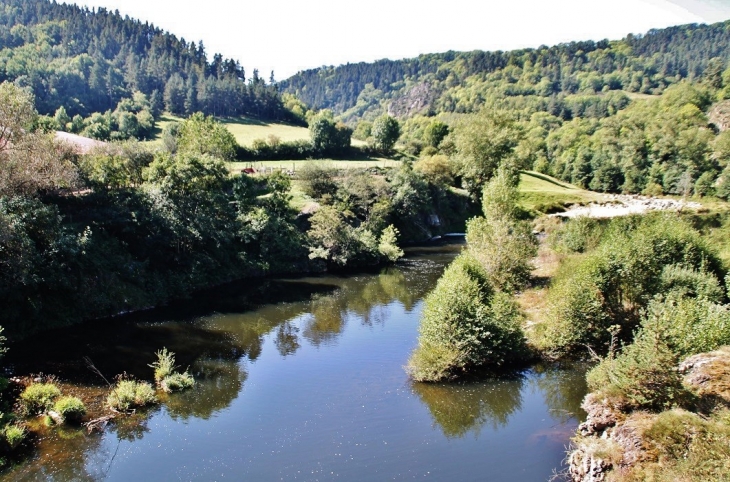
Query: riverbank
(690, 442)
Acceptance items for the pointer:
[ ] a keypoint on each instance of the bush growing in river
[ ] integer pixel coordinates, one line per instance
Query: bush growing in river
(14, 435)
(466, 324)
(38, 398)
(165, 375)
(71, 409)
(129, 394)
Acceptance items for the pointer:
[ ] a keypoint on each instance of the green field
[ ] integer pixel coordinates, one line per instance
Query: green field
(247, 130)
(539, 189)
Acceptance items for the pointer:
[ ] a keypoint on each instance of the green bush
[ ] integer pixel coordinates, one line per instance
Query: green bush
(14, 435)
(71, 409)
(176, 382)
(38, 398)
(129, 394)
(685, 446)
(642, 376)
(680, 281)
(576, 235)
(615, 283)
(164, 366)
(688, 325)
(465, 325)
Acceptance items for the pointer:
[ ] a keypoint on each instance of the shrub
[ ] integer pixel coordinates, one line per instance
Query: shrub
(685, 282)
(642, 376)
(128, 394)
(613, 284)
(388, 244)
(165, 375)
(504, 248)
(465, 325)
(177, 382)
(164, 366)
(38, 398)
(688, 325)
(71, 409)
(317, 180)
(577, 235)
(14, 435)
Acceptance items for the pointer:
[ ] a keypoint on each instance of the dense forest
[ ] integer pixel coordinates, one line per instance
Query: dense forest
(78, 62)
(464, 81)
(645, 114)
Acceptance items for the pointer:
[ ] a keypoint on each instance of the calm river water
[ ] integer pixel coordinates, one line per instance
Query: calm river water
(301, 379)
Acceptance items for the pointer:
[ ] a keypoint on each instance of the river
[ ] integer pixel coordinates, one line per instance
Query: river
(300, 379)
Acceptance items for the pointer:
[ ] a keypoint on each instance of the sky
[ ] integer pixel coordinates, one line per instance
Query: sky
(287, 36)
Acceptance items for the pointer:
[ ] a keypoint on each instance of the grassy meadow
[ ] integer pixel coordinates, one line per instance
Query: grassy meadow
(539, 189)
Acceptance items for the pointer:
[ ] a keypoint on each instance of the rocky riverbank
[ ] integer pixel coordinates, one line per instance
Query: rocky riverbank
(690, 441)
(623, 205)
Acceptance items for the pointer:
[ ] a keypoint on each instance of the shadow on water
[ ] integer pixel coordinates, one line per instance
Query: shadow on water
(128, 343)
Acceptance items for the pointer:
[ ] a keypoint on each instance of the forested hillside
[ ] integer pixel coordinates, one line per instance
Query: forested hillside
(545, 77)
(90, 61)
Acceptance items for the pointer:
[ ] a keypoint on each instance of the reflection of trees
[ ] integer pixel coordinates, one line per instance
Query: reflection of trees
(287, 341)
(461, 408)
(326, 321)
(217, 384)
(564, 388)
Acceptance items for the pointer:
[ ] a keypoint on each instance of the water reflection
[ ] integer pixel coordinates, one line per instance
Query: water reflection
(287, 339)
(300, 416)
(467, 407)
(217, 384)
(563, 388)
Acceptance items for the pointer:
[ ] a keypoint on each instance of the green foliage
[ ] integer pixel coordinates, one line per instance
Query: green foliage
(71, 409)
(166, 377)
(642, 376)
(129, 394)
(317, 180)
(437, 169)
(164, 365)
(435, 133)
(686, 446)
(200, 135)
(328, 137)
(612, 285)
(29, 161)
(38, 398)
(14, 435)
(577, 235)
(388, 244)
(688, 325)
(502, 244)
(177, 382)
(465, 325)
(385, 132)
(481, 143)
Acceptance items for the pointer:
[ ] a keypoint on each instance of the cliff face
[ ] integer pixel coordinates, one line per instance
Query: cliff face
(613, 444)
(414, 101)
(719, 115)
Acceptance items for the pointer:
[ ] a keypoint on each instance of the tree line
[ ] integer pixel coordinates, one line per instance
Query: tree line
(87, 61)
